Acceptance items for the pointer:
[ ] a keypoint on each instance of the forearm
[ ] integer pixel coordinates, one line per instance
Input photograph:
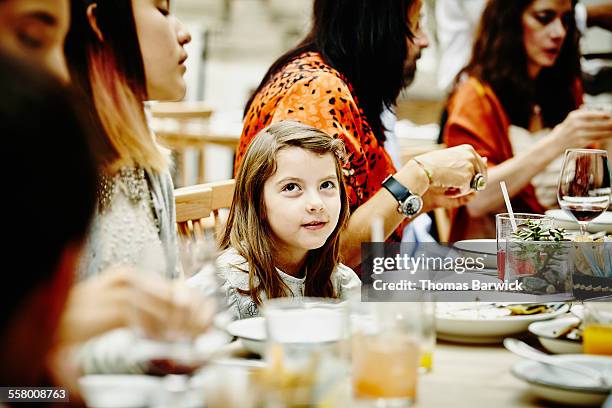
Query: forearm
(517, 173)
(381, 205)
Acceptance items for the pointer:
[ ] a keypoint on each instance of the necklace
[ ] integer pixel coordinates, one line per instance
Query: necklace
(131, 179)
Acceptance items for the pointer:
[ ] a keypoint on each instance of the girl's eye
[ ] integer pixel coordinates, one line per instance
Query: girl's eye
(164, 11)
(327, 185)
(291, 187)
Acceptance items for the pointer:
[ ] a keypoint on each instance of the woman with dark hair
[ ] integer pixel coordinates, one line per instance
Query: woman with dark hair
(352, 65)
(523, 79)
(122, 53)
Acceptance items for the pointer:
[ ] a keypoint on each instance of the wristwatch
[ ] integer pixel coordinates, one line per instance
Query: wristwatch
(409, 204)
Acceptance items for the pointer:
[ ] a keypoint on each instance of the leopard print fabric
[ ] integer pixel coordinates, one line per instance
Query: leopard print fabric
(309, 91)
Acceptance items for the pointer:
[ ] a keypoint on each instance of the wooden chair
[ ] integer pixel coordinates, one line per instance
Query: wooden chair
(198, 208)
(181, 110)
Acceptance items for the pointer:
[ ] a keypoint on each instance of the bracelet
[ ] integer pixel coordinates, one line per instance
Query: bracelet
(427, 172)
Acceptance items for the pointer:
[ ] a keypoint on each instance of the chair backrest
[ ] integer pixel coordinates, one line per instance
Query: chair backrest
(198, 207)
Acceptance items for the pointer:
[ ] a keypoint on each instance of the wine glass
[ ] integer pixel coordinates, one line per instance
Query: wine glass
(584, 185)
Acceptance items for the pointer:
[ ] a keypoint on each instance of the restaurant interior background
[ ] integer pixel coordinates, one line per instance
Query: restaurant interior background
(235, 41)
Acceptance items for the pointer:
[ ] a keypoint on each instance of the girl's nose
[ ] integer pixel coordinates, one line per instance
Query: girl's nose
(315, 204)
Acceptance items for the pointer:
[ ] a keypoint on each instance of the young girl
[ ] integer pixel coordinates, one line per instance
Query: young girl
(283, 231)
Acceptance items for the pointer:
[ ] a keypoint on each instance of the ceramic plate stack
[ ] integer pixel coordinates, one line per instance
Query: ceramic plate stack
(482, 248)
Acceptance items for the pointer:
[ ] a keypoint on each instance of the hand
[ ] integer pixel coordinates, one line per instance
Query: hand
(581, 128)
(433, 200)
(123, 297)
(453, 169)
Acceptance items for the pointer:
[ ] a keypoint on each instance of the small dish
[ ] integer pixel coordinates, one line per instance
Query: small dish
(251, 332)
(545, 333)
(562, 386)
(484, 248)
(114, 391)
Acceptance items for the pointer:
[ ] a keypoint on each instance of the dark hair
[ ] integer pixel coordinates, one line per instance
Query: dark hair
(365, 41)
(111, 75)
(49, 178)
(499, 58)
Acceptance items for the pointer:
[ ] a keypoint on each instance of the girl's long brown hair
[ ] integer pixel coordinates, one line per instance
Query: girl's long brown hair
(500, 60)
(248, 230)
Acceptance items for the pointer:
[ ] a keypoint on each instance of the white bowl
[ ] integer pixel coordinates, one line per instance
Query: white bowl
(544, 332)
(563, 386)
(483, 248)
(251, 332)
(113, 391)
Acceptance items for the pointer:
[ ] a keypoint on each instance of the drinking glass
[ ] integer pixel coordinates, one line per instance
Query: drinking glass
(386, 352)
(584, 185)
(504, 231)
(428, 335)
(597, 336)
(307, 351)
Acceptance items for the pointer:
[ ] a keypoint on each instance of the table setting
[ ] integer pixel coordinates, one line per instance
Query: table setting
(487, 351)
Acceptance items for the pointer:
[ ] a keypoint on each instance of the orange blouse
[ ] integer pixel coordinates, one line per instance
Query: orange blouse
(311, 92)
(477, 117)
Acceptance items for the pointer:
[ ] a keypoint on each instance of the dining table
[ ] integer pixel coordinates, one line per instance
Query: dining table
(462, 375)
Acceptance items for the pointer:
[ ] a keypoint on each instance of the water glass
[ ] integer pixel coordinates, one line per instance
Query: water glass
(504, 231)
(307, 351)
(386, 352)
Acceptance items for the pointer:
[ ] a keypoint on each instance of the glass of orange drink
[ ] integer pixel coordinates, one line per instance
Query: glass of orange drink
(597, 335)
(385, 352)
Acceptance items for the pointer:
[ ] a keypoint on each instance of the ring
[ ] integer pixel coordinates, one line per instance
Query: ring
(479, 182)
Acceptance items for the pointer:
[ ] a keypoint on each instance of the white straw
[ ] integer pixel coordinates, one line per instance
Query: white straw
(377, 230)
(508, 204)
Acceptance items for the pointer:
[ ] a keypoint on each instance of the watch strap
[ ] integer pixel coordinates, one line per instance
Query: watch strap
(397, 189)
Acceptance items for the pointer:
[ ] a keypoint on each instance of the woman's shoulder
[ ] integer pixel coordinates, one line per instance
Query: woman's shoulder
(472, 88)
(310, 71)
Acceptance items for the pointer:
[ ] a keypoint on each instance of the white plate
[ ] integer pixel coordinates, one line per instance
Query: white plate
(564, 220)
(125, 391)
(485, 248)
(252, 333)
(563, 386)
(202, 349)
(544, 331)
(307, 326)
(464, 323)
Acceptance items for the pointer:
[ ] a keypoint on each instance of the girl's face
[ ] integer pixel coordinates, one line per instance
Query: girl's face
(162, 38)
(545, 24)
(302, 201)
(35, 30)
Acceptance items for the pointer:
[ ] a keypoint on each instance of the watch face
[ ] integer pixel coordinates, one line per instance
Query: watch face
(411, 206)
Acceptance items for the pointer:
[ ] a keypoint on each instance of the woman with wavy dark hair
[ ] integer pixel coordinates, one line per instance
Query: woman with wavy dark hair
(352, 65)
(516, 103)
